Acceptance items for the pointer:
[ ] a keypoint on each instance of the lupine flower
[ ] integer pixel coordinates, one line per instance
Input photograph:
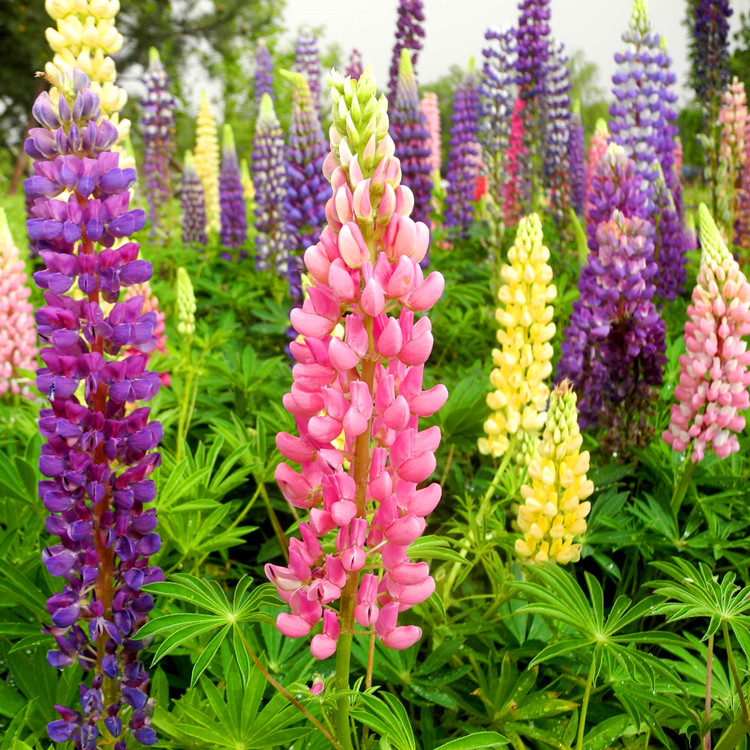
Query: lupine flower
(185, 303)
(367, 385)
(555, 507)
(714, 372)
(247, 183)
(207, 162)
(307, 62)
(263, 73)
(597, 149)
(158, 127)
(577, 161)
(742, 222)
(515, 189)
(533, 47)
(431, 112)
(231, 194)
(409, 35)
(17, 333)
(96, 460)
(710, 52)
(732, 150)
(523, 363)
(464, 155)
(151, 305)
(355, 66)
(412, 138)
(193, 205)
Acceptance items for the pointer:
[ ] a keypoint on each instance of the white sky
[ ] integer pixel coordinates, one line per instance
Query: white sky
(455, 29)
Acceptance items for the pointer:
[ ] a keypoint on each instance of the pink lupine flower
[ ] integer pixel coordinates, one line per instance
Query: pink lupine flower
(357, 398)
(17, 330)
(515, 157)
(431, 112)
(714, 374)
(597, 149)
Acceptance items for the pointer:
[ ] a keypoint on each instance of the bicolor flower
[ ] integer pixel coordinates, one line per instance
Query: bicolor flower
(193, 205)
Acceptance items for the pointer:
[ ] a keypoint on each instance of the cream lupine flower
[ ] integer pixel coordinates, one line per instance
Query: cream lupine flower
(523, 361)
(207, 161)
(185, 303)
(555, 508)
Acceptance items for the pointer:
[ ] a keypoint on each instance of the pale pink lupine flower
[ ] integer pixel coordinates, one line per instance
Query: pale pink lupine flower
(714, 374)
(597, 149)
(431, 111)
(18, 350)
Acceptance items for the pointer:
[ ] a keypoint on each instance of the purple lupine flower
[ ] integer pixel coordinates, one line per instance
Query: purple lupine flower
(497, 92)
(97, 456)
(409, 35)
(709, 50)
(464, 155)
(355, 66)
(308, 190)
(273, 239)
(158, 125)
(614, 346)
(577, 161)
(307, 62)
(412, 139)
(532, 47)
(231, 195)
(193, 205)
(556, 118)
(263, 73)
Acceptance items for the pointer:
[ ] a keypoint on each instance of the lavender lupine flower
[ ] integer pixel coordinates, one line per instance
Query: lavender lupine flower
(158, 125)
(710, 53)
(269, 179)
(533, 47)
(193, 205)
(577, 161)
(355, 66)
(409, 35)
(307, 62)
(464, 155)
(231, 194)
(413, 143)
(97, 457)
(263, 73)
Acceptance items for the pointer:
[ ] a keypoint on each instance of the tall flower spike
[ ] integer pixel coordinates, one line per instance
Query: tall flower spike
(412, 139)
(732, 151)
(193, 205)
(516, 189)
(355, 66)
(523, 363)
(247, 184)
(17, 333)
(533, 47)
(158, 127)
(98, 455)
(709, 50)
(361, 492)
(207, 162)
(231, 195)
(714, 372)
(577, 161)
(409, 35)
(270, 180)
(742, 222)
(431, 112)
(185, 303)
(597, 149)
(263, 73)
(464, 156)
(307, 62)
(555, 506)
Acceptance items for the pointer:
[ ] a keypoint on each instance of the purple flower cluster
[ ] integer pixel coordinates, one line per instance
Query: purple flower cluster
(577, 161)
(263, 73)
(464, 156)
(307, 62)
(409, 35)
(533, 47)
(710, 52)
(193, 205)
(355, 66)
(231, 195)
(97, 456)
(158, 127)
(412, 139)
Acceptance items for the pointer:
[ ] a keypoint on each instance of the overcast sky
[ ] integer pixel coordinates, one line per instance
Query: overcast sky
(455, 29)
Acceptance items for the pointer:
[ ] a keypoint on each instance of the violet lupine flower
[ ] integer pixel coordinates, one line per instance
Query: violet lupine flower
(158, 125)
(263, 73)
(533, 47)
(307, 62)
(193, 205)
(355, 66)
(97, 457)
(231, 195)
(710, 52)
(273, 238)
(366, 386)
(409, 35)
(577, 161)
(431, 111)
(714, 373)
(412, 138)
(464, 156)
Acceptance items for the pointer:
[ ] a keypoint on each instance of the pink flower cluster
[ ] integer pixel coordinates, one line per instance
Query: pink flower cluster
(597, 149)
(431, 112)
(714, 374)
(17, 330)
(357, 398)
(515, 169)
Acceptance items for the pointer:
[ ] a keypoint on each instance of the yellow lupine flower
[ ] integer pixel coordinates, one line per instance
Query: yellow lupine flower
(206, 157)
(185, 303)
(248, 189)
(554, 513)
(523, 361)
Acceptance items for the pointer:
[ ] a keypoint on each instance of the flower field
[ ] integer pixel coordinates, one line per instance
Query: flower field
(347, 413)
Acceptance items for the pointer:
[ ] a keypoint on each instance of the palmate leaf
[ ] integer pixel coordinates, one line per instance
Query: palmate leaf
(386, 716)
(221, 618)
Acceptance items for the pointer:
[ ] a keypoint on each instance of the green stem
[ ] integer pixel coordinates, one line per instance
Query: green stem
(585, 704)
(709, 673)
(734, 735)
(185, 404)
(735, 673)
(688, 468)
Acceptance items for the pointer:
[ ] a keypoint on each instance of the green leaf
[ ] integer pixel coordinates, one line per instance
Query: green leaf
(475, 741)
(606, 733)
(208, 653)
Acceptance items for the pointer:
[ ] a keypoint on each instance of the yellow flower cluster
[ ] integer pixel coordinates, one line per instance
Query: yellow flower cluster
(207, 161)
(523, 361)
(553, 513)
(248, 189)
(185, 303)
